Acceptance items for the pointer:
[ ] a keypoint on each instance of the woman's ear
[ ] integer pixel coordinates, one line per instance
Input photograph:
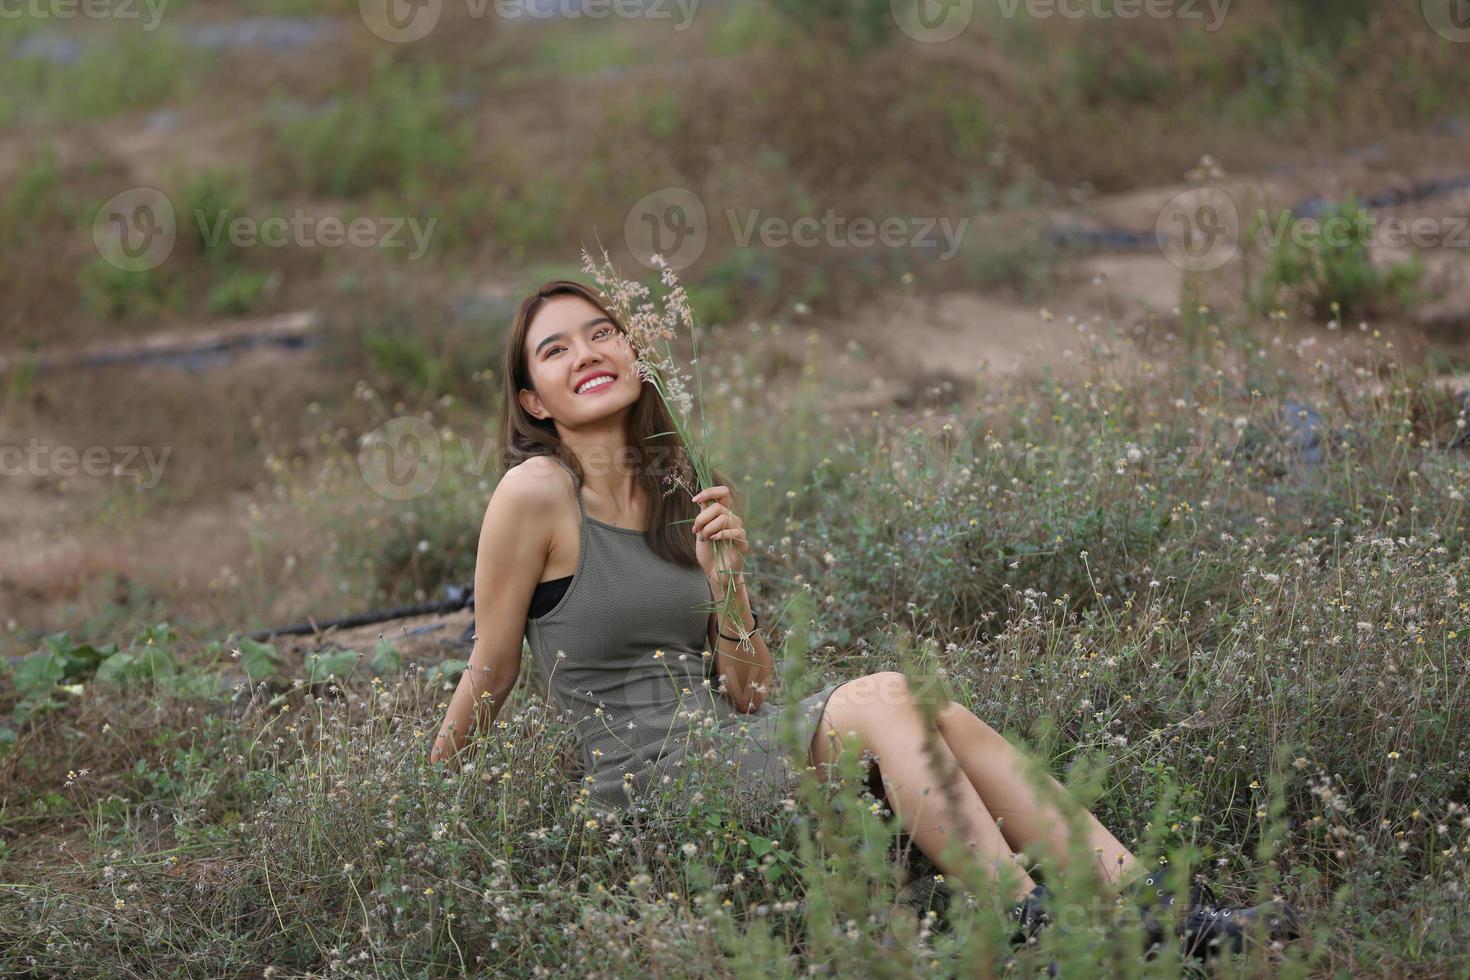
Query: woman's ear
(531, 403)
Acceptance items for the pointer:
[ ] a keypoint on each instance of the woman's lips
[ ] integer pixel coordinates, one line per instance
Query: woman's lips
(598, 387)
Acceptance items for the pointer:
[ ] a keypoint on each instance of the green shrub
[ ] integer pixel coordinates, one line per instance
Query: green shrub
(860, 25)
(398, 133)
(1334, 275)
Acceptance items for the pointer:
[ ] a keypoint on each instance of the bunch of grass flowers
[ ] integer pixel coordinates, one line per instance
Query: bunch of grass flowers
(651, 325)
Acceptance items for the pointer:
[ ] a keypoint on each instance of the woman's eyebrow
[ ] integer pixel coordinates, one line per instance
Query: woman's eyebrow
(561, 336)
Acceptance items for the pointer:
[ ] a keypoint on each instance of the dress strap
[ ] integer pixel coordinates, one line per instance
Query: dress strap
(576, 483)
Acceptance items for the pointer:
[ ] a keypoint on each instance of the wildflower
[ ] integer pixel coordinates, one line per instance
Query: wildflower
(119, 904)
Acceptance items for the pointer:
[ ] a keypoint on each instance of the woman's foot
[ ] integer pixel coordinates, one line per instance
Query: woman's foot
(1030, 916)
(1205, 928)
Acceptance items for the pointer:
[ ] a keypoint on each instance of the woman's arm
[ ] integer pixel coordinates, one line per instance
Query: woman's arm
(745, 668)
(514, 542)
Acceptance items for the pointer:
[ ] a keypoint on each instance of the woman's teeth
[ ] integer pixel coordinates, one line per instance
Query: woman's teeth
(594, 383)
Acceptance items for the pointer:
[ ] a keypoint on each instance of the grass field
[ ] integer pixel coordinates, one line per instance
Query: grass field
(1198, 541)
(1243, 648)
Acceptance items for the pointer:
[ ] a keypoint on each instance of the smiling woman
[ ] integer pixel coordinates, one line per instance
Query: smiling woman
(633, 653)
(586, 551)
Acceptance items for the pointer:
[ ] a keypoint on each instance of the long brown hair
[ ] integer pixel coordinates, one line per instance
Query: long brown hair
(657, 449)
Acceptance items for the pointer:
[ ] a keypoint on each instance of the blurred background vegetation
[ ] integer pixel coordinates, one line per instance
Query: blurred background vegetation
(1136, 426)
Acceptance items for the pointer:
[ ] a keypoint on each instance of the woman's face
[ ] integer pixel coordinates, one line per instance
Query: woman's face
(570, 343)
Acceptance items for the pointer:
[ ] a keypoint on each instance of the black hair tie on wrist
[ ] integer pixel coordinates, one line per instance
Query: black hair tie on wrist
(753, 615)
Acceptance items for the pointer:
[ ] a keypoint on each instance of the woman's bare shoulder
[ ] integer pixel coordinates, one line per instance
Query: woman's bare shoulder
(538, 485)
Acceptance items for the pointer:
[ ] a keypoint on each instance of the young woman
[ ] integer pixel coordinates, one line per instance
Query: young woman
(582, 551)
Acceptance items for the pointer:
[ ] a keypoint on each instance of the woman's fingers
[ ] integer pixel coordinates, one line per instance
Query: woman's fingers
(736, 535)
(711, 514)
(714, 525)
(719, 492)
(705, 516)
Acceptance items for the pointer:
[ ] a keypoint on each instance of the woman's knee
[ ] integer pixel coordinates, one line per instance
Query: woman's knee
(888, 688)
(897, 691)
(955, 717)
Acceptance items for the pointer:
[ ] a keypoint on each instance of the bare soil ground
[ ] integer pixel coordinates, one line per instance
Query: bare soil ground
(58, 536)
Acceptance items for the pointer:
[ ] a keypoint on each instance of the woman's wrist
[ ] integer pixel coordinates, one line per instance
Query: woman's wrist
(754, 625)
(721, 587)
(741, 619)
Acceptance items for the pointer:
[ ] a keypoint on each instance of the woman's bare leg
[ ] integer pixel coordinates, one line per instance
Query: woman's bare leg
(878, 710)
(997, 771)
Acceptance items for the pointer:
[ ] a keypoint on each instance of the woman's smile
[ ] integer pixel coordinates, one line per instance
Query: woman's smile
(598, 380)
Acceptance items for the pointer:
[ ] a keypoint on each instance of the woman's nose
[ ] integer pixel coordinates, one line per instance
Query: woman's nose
(587, 355)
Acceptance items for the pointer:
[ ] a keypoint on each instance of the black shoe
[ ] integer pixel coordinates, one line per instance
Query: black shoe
(1205, 928)
(1030, 916)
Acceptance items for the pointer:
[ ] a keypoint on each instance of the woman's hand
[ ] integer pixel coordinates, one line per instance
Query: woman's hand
(717, 522)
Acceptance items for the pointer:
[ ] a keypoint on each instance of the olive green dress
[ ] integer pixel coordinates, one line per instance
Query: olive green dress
(625, 652)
